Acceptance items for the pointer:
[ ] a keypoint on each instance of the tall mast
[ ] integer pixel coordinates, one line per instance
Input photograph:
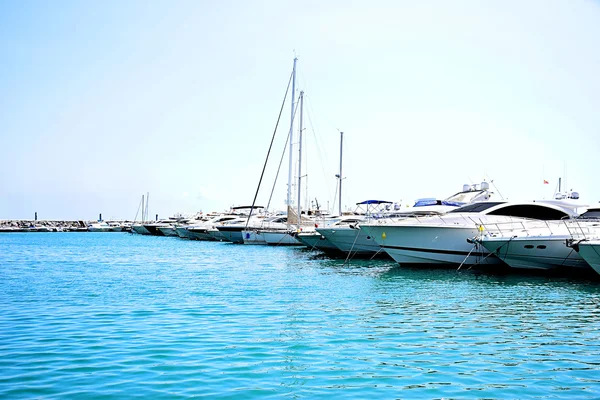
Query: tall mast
(142, 209)
(300, 155)
(340, 176)
(147, 198)
(291, 165)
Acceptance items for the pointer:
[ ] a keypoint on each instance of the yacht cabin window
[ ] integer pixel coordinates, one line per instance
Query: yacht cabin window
(531, 211)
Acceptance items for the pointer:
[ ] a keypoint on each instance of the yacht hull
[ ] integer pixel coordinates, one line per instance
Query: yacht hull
(140, 229)
(101, 229)
(201, 234)
(184, 233)
(542, 253)
(430, 244)
(590, 252)
(232, 234)
(253, 237)
(153, 229)
(216, 234)
(353, 242)
(280, 238)
(314, 240)
(168, 231)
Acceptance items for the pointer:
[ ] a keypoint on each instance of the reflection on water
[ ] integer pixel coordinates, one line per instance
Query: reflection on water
(117, 315)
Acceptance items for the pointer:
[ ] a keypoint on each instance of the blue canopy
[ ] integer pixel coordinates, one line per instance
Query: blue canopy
(374, 202)
(433, 202)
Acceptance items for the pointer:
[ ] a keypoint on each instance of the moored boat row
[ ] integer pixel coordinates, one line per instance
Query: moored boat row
(477, 231)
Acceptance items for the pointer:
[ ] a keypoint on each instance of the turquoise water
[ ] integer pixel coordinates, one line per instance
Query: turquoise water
(112, 315)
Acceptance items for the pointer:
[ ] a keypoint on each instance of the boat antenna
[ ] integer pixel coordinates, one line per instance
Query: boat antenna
(300, 157)
(147, 199)
(271, 145)
(495, 187)
(291, 144)
(340, 175)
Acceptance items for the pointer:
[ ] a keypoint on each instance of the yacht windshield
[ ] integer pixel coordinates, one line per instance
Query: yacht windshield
(590, 214)
(476, 207)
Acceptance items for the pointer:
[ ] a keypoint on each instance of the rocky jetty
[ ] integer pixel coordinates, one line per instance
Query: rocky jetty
(46, 226)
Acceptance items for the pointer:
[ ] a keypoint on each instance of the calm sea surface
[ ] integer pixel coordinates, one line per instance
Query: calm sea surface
(114, 315)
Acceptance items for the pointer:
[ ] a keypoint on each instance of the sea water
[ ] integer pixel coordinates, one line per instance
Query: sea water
(115, 315)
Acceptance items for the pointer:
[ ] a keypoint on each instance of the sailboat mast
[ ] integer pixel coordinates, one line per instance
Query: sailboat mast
(340, 176)
(291, 165)
(142, 208)
(300, 155)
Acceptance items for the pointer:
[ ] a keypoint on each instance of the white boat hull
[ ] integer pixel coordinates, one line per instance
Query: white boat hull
(280, 238)
(168, 231)
(590, 252)
(184, 233)
(99, 229)
(531, 252)
(352, 241)
(139, 229)
(429, 244)
(200, 234)
(216, 234)
(231, 235)
(314, 240)
(253, 237)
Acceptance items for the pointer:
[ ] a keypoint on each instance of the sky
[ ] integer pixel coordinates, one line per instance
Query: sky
(102, 102)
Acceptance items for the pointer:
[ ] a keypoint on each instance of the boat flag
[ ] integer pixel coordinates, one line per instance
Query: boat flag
(546, 182)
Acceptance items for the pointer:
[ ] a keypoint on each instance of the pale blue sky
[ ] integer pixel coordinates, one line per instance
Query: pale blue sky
(101, 102)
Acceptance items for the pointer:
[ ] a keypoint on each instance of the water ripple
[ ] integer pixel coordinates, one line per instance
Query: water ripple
(117, 315)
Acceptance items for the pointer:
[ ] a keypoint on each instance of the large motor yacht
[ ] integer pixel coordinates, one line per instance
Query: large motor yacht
(448, 239)
(541, 244)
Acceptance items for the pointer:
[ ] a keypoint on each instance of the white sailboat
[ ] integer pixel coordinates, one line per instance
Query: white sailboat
(279, 237)
(138, 227)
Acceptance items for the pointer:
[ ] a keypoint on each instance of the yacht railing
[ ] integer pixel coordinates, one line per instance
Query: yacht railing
(524, 228)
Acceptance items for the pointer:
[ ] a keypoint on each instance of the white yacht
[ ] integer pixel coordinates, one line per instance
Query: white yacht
(447, 239)
(154, 227)
(350, 240)
(166, 227)
(178, 228)
(99, 226)
(314, 240)
(103, 226)
(231, 231)
(201, 231)
(541, 244)
(253, 233)
(287, 236)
